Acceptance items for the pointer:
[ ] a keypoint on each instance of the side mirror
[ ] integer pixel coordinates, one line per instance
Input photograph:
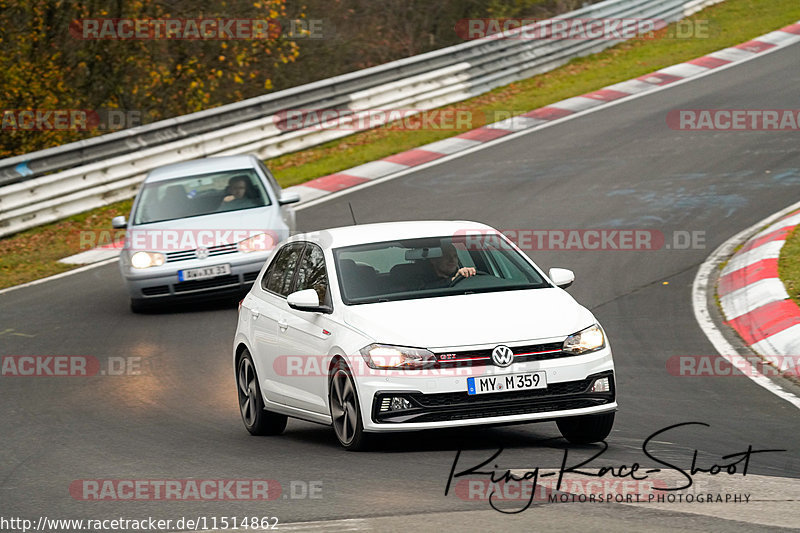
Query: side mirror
(119, 222)
(289, 198)
(561, 277)
(307, 300)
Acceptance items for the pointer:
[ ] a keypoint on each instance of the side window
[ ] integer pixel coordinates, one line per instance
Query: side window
(312, 273)
(280, 274)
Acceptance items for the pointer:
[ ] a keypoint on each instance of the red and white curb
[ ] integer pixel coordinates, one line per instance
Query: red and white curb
(387, 166)
(703, 289)
(753, 298)
(466, 142)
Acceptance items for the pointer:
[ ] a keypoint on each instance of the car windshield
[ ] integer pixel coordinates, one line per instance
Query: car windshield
(192, 196)
(424, 268)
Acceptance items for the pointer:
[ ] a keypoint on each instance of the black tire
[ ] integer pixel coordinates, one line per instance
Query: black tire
(586, 429)
(346, 409)
(139, 306)
(251, 404)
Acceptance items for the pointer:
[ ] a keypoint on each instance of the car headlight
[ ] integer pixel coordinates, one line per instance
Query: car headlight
(382, 356)
(261, 242)
(586, 340)
(146, 259)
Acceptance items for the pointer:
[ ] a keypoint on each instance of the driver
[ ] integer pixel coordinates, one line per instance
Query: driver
(441, 271)
(239, 194)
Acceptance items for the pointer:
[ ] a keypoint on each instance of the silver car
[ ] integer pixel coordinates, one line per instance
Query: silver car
(202, 228)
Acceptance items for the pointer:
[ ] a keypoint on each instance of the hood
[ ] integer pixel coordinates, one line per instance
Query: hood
(471, 319)
(208, 230)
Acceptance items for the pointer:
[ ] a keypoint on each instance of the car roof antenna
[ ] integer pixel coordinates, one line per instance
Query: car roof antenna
(352, 214)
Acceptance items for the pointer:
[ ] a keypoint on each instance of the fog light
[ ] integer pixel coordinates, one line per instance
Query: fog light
(394, 403)
(398, 404)
(601, 385)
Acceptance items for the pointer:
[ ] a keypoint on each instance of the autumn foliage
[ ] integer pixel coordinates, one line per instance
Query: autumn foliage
(44, 65)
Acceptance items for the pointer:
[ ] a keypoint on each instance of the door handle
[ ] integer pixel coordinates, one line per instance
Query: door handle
(283, 324)
(255, 313)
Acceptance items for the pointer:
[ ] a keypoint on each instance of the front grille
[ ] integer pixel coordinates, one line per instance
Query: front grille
(156, 291)
(532, 352)
(250, 277)
(222, 281)
(485, 412)
(185, 255)
(463, 406)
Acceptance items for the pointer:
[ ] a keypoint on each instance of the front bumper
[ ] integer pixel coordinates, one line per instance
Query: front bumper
(438, 402)
(161, 283)
(454, 406)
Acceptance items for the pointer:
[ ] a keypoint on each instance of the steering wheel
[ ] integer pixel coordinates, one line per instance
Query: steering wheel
(459, 277)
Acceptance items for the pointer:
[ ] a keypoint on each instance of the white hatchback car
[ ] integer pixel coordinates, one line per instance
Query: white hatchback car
(374, 328)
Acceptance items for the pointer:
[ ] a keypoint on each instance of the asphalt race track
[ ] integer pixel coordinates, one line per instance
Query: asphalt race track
(618, 168)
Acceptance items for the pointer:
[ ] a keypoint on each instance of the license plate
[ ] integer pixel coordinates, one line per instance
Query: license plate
(505, 383)
(203, 272)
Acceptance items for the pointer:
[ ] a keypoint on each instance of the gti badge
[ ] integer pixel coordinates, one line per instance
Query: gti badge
(502, 356)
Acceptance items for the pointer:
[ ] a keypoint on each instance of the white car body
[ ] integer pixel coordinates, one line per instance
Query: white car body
(275, 333)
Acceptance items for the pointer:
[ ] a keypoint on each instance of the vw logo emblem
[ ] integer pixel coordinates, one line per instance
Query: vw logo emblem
(502, 356)
(202, 253)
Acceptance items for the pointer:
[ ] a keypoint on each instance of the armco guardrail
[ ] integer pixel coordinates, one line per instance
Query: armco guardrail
(48, 185)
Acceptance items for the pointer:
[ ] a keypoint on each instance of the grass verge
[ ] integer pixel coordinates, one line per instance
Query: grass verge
(34, 253)
(789, 265)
